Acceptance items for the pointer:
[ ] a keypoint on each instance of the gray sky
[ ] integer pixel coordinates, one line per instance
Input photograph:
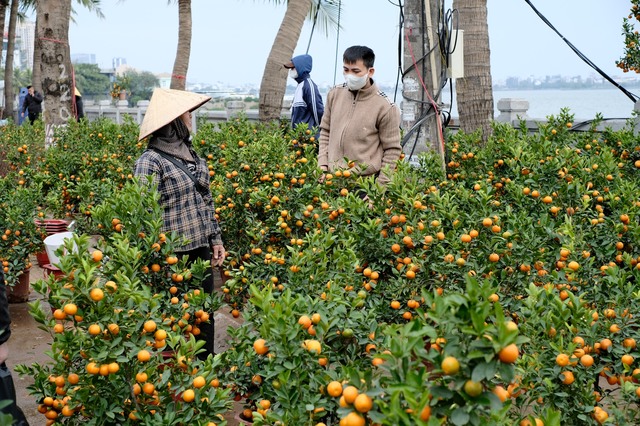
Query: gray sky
(232, 38)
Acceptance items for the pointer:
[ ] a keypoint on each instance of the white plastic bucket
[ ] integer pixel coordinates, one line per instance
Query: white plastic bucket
(51, 244)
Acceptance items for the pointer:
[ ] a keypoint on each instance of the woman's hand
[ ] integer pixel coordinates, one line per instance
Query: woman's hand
(217, 255)
(4, 352)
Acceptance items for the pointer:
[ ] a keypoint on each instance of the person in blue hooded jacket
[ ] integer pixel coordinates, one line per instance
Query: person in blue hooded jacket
(307, 106)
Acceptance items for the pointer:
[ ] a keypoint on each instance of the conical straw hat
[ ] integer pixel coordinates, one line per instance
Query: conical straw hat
(166, 105)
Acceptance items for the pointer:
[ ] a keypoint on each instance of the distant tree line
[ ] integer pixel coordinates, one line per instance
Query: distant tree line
(516, 83)
(21, 78)
(93, 84)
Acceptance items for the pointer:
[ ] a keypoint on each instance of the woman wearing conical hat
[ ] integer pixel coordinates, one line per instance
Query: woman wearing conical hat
(79, 105)
(182, 179)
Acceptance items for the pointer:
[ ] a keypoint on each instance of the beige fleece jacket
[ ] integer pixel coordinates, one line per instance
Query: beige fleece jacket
(363, 127)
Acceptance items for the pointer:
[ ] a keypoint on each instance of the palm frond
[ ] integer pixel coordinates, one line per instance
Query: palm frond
(92, 5)
(27, 6)
(326, 13)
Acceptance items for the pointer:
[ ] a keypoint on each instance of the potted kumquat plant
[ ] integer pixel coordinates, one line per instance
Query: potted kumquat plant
(124, 327)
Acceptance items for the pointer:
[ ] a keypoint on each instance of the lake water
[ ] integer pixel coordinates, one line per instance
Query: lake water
(584, 104)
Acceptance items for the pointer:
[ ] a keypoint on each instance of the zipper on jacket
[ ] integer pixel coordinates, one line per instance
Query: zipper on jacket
(353, 108)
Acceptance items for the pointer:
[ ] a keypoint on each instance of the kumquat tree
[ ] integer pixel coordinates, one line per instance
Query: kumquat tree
(500, 292)
(631, 59)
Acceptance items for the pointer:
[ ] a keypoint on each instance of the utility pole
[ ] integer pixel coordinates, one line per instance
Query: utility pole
(422, 69)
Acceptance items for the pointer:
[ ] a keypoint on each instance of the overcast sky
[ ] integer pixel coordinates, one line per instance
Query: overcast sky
(232, 38)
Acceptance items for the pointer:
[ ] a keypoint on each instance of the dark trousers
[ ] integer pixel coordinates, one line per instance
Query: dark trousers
(207, 329)
(33, 116)
(8, 393)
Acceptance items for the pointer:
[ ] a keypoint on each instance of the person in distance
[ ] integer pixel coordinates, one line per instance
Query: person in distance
(307, 106)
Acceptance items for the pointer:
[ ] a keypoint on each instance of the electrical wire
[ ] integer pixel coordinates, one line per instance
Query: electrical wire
(426, 91)
(630, 95)
(447, 23)
(576, 126)
(335, 65)
(313, 27)
(446, 45)
(400, 25)
(417, 126)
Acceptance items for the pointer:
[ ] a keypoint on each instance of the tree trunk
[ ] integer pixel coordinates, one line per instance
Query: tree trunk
(9, 93)
(475, 90)
(181, 64)
(274, 77)
(36, 73)
(52, 39)
(3, 14)
(419, 117)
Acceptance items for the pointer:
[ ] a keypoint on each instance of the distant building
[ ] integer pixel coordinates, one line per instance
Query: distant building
(122, 69)
(164, 80)
(16, 52)
(23, 49)
(25, 39)
(83, 58)
(512, 82)
(118, 62)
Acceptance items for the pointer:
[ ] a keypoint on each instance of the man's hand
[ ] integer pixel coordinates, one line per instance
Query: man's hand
(323, 176)
(369, 202)
(217, 255)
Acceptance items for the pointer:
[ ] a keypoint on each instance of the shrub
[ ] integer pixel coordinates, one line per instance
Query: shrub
(123, 326)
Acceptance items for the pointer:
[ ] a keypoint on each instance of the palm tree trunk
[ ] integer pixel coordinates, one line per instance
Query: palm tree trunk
(3, 14)
(274, 78)
(52, 39)
(9, 95)
(475, 90)
(36, 74)
(181, 64)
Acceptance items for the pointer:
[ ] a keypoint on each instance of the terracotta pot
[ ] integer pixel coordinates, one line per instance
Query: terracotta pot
(42, 258)
(49, 269)
(122, 95)
(19, 292)
(223, 278)
(168, 356)
(53, 226)
(241, 419)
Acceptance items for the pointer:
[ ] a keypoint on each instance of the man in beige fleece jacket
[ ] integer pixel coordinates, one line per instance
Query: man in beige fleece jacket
(360, 124)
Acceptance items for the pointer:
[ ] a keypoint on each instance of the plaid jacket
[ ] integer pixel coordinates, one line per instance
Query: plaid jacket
(186, 211)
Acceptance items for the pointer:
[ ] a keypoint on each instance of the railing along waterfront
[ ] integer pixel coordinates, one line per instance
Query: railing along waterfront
(512, 110)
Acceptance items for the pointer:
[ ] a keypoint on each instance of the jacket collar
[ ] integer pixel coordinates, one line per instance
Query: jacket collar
(365, 93)
(299, 79)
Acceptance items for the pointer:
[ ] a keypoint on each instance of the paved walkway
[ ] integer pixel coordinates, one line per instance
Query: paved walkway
(28, 344)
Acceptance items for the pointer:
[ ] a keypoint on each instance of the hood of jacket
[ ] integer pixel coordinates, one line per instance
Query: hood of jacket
(303, 64)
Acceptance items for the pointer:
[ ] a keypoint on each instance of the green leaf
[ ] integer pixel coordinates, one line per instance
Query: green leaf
(459, 417)
(484, 370)
(441, 392)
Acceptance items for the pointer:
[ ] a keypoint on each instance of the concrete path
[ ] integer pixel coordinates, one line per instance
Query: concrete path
(28, 344)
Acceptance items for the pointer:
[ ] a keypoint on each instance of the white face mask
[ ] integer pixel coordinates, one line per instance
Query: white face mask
(356, 83)
(293, 73)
